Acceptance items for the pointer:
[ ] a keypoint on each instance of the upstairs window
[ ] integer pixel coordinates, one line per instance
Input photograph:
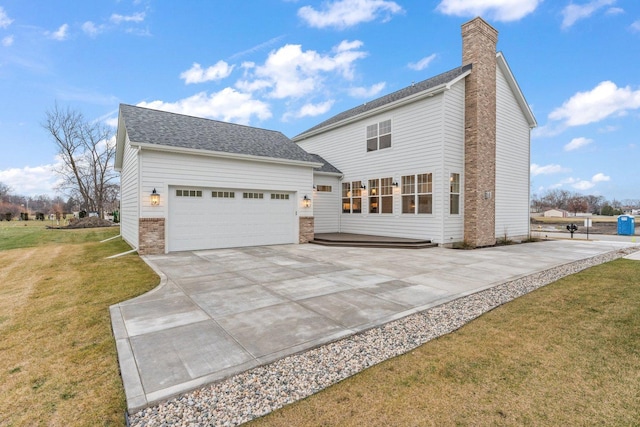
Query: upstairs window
(381, 195)
(324, 188)
(352, 197)
(379, 136)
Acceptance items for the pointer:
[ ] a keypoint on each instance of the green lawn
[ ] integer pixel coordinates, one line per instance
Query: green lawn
(567, 354)
(58, 361)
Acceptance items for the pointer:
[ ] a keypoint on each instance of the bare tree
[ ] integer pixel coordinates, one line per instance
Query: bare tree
(577, 204)
(5, 190)
(87, 150)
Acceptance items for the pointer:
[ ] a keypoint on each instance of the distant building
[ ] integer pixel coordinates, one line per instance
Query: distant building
(556, 213)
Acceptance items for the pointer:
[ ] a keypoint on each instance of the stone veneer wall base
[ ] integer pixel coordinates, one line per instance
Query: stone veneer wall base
(306, 229)
(151, 236)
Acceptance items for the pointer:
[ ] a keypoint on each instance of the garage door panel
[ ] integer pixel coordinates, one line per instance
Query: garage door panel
(219, 222)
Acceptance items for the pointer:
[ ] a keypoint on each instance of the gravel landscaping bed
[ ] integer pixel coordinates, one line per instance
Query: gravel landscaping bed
(256, 392)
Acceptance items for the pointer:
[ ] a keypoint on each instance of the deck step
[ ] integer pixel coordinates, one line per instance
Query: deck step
(420, 244)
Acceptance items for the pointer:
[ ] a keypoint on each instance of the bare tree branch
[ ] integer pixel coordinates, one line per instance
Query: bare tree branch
(86, 151)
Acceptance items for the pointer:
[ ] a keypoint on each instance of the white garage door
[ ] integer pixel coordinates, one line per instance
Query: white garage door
(201, 218)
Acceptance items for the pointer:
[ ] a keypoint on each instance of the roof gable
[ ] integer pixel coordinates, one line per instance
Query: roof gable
(177, 131)
(441, 80)
(515, 88)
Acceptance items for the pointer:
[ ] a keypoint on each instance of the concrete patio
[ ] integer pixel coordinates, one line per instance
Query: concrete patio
(220, 312)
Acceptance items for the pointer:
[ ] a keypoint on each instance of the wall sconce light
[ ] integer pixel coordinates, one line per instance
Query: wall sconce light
(364, 187)
(306, 202)
(155, 198)
(395, 183)
(487, 195)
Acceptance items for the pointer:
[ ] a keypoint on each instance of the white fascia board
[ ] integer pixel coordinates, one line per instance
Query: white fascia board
(221, 154)
(513, 84)
(336, 174)
(121, 137)
(457, 79)
(407, 100)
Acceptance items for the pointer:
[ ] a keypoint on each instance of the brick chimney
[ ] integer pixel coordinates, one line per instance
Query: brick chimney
(479, 41)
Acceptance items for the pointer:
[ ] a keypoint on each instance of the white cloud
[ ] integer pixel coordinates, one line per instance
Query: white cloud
(370, 92)
(227, 105)
(136, 17)
(603, 101)
(635, 27)
(576, 143)
(615, 11)
(600, 177)
(574, 12)
(499, 10)
(91, 29)
(547, 169)
(5, 21)
(61, 33)
(7, 41)
(310, 110)
(31, 181)
(584, 184)
(196, 74)
(290, 72)
(347, 13)
(423, 63)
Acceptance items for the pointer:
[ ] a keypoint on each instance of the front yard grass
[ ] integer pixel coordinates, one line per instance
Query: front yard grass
(566, 354)
(58, 361)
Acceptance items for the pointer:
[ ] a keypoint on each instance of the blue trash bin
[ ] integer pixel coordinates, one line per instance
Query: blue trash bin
(626, 225)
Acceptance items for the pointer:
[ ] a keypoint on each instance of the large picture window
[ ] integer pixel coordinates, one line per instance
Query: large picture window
(379, 136)
(381, 195)
(417, 194)
(454, 194)
(352, 197)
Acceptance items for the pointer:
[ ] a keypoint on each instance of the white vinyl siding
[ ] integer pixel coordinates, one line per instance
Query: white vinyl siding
(161, 170)
(129, 195)
(424, 141)
(326, 205)
(512, 164)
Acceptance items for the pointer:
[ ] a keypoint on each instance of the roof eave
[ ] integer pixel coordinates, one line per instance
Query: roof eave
(407, 100)
(224, 155)
(513, 84)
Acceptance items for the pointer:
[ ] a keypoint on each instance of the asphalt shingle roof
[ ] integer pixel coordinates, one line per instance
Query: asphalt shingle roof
(424, 85)
(326, 166)
(149, 126)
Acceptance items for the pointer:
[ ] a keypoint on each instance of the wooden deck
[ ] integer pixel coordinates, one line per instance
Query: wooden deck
(369, 241)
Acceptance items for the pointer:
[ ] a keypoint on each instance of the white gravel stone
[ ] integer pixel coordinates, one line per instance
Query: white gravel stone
(257, 392)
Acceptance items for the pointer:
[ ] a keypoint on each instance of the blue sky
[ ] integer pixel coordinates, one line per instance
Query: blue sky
(287, 65)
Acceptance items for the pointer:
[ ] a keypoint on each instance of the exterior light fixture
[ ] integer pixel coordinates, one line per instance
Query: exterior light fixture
(306, 202)
(395, 183)
(364, 187)
(155, 198)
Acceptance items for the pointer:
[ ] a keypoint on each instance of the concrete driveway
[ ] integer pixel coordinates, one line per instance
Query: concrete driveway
(220, 312)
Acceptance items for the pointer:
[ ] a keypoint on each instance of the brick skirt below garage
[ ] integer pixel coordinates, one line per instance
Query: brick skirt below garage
(151, 236)
(306, 229)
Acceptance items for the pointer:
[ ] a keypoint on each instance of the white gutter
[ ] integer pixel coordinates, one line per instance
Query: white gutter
(224, 155)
